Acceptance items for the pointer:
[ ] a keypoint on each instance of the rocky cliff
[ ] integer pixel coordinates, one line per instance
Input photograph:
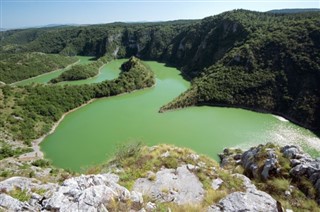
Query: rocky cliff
(164, 177)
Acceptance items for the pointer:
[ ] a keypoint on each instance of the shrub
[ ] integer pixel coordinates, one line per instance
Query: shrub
(41, 163)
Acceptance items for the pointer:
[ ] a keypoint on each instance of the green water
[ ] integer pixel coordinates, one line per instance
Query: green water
(91, 134)
(44, 78)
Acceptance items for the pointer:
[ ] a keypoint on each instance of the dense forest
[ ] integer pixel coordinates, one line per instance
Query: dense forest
(19, 66)
(30, 111)
(82, 71)
(261, 61)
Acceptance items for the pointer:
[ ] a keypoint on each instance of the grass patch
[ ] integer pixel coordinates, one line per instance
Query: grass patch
(21, 195)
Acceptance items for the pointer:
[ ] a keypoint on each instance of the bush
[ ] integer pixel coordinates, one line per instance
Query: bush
(41, 163)
(127, 150)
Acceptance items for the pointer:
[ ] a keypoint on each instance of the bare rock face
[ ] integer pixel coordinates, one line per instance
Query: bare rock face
(302, 165)
(87, 193)
(251, 200)
(172, 185)
(24, 183)
(250, 162)
(9, 203)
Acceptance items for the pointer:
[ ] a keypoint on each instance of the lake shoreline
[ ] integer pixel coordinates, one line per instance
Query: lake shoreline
(68, 66)
(37, 153)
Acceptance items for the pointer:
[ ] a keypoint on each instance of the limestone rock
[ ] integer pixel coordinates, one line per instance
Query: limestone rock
(251, 201)
(246, 182)
(150, 206)
(216, 183)
(24, 183)
(172, 185)
(87, 193)
(136, 199)
(9, 203)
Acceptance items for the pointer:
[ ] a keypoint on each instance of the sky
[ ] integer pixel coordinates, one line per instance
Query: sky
(29, 13)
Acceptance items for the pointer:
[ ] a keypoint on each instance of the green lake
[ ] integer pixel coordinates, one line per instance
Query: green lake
(91, 134)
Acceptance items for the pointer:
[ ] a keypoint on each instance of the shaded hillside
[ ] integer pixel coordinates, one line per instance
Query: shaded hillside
(262, 61)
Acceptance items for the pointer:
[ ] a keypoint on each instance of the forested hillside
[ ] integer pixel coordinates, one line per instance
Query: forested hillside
(82, 71)
(19, 66)
(261, 61)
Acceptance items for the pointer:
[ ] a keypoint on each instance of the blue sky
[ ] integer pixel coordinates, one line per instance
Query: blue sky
(26, 13)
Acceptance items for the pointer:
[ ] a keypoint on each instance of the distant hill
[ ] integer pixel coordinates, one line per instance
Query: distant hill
(286, 11)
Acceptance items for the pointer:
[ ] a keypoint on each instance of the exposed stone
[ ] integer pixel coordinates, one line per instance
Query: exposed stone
(295, 162)
(216, 183)
(251, 201)
(9, 203)
(192, 167)
(246, 182)
(290, 151)
(172, 185)
(194, 157)
(24, 183)
(136, 199)
(87, 193)
(287, 193)
(166, 154)
(269, 165)
(150, 206)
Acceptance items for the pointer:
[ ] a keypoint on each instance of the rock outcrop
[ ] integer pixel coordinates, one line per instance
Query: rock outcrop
(90, 193)
(302, 165)
(251, 200)
(263, 163)
(172, 185)
(83, 193)
(246, 201)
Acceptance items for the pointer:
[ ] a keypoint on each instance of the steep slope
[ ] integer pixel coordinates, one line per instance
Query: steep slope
(276, 69)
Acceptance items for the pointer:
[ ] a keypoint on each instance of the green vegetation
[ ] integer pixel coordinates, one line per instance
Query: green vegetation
(29, 112)
(22, 195)
(84, 71)
(20, 66)
(41, 163)
(8, 151)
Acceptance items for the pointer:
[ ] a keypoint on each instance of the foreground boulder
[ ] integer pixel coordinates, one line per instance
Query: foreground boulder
(251, 200)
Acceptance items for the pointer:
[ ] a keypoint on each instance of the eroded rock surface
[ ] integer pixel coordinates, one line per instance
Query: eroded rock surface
(172, 185)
